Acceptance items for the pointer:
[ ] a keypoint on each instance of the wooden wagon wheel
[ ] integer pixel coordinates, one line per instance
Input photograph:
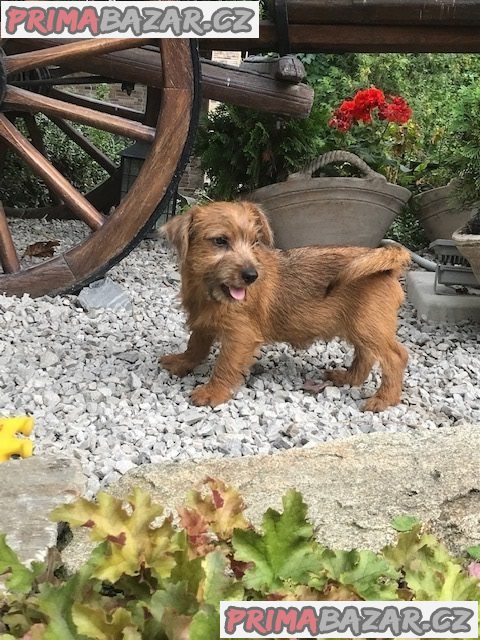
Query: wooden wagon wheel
(174, 107)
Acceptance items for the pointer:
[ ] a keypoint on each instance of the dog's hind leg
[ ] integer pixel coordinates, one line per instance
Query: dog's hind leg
(357, 373)
(236, 356)
(393, 361)
(198, 348)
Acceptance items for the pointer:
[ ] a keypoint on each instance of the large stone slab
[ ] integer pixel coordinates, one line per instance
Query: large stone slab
(354, 487)
(440, 308)
(29, 491)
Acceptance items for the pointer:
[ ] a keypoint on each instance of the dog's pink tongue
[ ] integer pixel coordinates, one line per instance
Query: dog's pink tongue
(237, 294)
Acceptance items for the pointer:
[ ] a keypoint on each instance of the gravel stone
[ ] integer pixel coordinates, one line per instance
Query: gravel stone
(93, 384)
(191, 417)
(332, 393)
(48, 359)
(124, 465)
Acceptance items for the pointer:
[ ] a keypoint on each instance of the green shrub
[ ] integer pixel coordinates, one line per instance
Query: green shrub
(464, 158)
(148, 578)
(433, 85)
(242, 150)
(407, 230)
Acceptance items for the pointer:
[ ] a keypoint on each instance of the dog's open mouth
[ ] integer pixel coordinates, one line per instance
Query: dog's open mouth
(233, 293)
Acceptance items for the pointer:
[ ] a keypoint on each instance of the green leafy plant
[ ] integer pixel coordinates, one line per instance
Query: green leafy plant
(242, 150)
(464, 157)
(150, 578)
(432, 84)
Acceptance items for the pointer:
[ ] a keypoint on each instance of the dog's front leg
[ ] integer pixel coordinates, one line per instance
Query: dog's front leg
(236, 356)
(198, 348)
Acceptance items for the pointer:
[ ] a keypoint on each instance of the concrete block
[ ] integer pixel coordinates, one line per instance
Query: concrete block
(104, 294)
(440, 308)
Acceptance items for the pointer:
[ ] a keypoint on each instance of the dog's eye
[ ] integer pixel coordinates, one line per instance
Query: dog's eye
(221, 241)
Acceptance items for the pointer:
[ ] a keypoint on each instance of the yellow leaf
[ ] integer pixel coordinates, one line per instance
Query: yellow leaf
(134, 541)
(98, 625)
(223, 508)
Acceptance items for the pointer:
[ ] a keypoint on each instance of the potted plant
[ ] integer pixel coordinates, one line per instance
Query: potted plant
(341, 209)
(467, 241)
(445, 209)
(441, 211)
(466, 158)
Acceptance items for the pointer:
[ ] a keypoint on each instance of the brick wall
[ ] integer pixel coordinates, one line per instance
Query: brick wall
(227, 57)
(114, 94)
(233, 58)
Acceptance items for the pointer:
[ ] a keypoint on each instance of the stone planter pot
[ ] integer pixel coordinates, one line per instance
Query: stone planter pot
(324, 211)
(440, 212)
(469, 247)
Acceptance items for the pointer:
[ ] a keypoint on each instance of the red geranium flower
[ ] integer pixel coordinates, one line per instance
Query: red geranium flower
(342, 118)
(395, 111)
(363, 105)
(365, 101)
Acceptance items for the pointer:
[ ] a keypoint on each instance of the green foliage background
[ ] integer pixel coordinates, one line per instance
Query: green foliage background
(242, 149)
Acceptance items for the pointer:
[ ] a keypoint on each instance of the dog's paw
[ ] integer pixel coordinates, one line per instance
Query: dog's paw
(176, 364)
(376, 404)
(339, 377)
(210, 395)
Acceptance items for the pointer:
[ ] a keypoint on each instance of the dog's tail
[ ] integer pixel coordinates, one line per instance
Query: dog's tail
(391, 258)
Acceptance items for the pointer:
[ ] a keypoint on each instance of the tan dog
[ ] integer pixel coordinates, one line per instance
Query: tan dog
(240, 291)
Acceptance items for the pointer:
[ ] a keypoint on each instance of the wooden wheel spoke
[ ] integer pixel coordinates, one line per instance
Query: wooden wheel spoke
(65, 52)
(84, 143)
(35, 133)
(27, 101)
(67, 80)
(97, 105)
(135, 65)
(8, 255)
(51, 176)
(37, 141)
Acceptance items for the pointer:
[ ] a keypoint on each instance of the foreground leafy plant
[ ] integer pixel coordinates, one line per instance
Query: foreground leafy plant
(150, 578)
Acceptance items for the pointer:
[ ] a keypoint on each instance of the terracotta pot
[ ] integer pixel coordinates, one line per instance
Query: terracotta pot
(469, 247)
(329, 210)
(440, 212)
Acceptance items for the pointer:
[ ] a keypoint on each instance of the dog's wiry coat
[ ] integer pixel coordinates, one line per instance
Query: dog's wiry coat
(297, 296)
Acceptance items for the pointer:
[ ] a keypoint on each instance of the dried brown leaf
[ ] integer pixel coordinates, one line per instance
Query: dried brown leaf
(314, 387)
(44, 249)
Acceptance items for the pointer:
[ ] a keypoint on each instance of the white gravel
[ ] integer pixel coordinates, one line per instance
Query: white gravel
(92, 381)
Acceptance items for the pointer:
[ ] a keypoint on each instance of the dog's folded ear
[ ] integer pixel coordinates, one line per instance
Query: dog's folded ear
(265, 233)
(177, 231)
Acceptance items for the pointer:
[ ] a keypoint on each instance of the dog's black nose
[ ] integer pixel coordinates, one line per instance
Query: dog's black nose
(249, 275)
